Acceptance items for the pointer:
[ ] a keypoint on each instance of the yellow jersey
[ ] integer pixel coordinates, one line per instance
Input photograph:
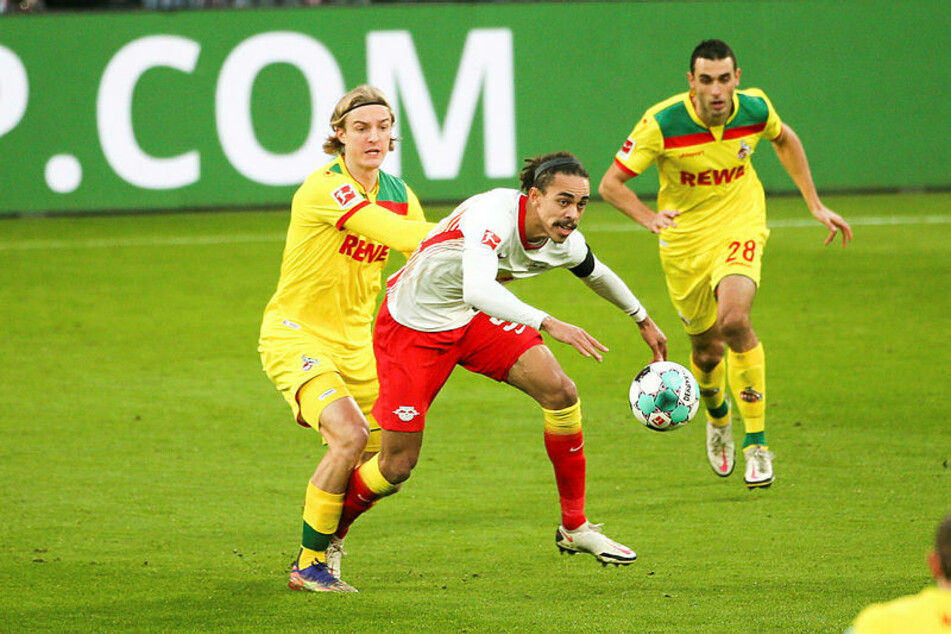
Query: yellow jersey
(337, 246)
(928, 612)
(705, 173)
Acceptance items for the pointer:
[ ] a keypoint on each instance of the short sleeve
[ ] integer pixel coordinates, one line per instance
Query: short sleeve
(774, 125)
(641, 148)
(322, 199)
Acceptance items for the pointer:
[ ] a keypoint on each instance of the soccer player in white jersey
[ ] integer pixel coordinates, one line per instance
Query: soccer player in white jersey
(447, 306)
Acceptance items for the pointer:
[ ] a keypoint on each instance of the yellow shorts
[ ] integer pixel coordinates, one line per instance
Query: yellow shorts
(291, 357)
(692, 279)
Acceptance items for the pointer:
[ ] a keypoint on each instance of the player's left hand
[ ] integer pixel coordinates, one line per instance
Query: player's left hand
(834, 222)
(655, 338)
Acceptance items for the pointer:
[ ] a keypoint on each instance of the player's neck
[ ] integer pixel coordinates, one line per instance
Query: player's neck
(367, 178)
(707, 118)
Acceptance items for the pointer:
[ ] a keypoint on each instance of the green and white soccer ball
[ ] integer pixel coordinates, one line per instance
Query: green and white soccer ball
(664, 396)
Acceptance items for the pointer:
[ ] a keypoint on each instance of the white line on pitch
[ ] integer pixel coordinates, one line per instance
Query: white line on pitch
(43, 245)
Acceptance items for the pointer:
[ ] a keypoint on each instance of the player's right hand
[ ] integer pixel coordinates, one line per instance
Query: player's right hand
(574, 336)
(655, 338)
(663, 219)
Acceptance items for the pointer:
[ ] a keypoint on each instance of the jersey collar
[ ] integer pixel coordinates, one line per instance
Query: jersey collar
(342, 163)
(528, 246)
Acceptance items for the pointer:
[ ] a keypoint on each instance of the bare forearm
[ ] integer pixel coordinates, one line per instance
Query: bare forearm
(626, 201)
(792, 155)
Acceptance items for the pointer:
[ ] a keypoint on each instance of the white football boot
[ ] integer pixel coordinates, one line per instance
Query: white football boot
(721, 452)
(588, 538)
(759, 467)
(335, 553)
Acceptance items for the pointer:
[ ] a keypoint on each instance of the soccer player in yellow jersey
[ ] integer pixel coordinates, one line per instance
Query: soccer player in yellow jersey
(928, 612)
(315, 342)
(712, 223)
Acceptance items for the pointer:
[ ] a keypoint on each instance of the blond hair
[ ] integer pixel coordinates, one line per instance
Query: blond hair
(364, 95)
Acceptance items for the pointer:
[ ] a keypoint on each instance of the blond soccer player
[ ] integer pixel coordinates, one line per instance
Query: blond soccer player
(315, 343)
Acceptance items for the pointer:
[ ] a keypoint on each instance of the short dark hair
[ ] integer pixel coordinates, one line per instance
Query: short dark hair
(942, 546)
(714, 50)
(540, 171)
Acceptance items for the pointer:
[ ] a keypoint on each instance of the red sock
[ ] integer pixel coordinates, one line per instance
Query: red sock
(358, 499)
(566, 453)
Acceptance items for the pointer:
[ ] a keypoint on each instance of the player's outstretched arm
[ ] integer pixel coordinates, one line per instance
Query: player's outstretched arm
(614, 190)
(384, 227)
(792, 155)
(574, 336)
(605, 282)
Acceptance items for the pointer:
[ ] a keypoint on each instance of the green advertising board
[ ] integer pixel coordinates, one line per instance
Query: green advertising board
(229, 108)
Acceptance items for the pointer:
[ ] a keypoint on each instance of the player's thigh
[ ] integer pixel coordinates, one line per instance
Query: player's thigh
(364, 386)
(515, 353)
(740, 254)
(690, 289)
(311, 374)
(492, 347)
(292, 359)
(412, 367)
(538, 374)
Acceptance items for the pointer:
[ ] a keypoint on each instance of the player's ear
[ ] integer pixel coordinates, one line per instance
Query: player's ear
(934, 563)
(340, 133)
(739, 71)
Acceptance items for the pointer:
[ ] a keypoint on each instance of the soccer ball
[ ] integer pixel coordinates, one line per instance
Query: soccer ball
(664, 396)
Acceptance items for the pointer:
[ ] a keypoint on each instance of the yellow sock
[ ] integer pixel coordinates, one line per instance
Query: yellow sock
(747, 372)
(321, 515)
(563, 421)
(373, 478)
(713, 392)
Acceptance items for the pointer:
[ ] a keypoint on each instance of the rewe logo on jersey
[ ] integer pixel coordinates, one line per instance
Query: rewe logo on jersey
(712, 177)
(363, 251)
(491, 240)
(406, 413)
(345, 196)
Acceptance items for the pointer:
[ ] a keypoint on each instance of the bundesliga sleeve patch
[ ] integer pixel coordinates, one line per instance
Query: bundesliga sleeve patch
(491, 240)
(345, 196)
(627, 148)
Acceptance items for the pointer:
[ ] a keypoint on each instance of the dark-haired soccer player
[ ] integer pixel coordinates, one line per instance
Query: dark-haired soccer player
(315, 339)
(712, 223)
(929, 611)
(447, 306)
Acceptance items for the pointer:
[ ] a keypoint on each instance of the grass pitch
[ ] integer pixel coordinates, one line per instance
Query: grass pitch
(152, 478)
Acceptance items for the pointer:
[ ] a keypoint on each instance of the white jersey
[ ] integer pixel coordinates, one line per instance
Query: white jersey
(456, 270)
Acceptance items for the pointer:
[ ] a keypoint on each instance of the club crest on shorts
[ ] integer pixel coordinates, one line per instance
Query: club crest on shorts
(308, 363)
(406, 413)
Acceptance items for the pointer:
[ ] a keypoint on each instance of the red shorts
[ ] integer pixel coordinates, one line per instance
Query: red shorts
(413, 365)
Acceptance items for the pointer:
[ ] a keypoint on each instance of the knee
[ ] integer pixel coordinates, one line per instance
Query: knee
(707, 357)
(398, 467)
(560, 394)
(349, 440)
(735, 325)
